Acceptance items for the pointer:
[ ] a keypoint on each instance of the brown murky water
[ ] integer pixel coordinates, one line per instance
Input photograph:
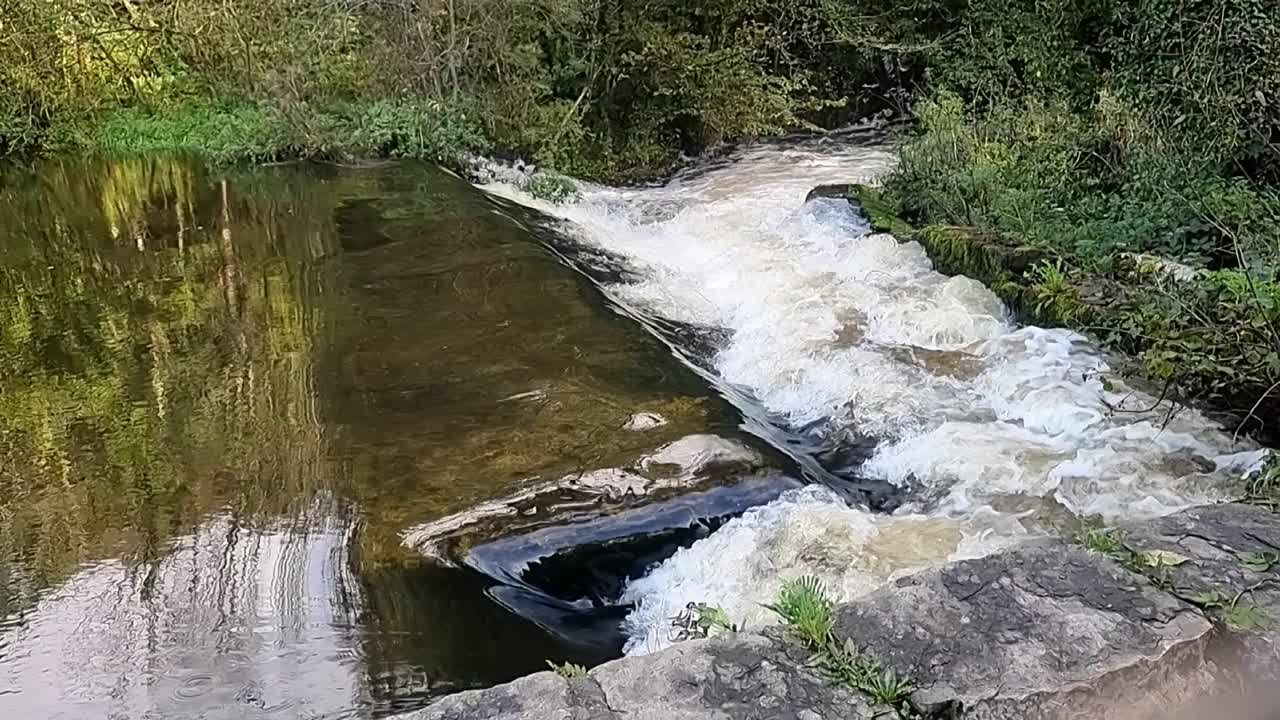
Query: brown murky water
(223, 399)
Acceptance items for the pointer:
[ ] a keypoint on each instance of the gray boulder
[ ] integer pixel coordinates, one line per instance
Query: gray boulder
(1233, 552)
(1044, 631)
(735, 677)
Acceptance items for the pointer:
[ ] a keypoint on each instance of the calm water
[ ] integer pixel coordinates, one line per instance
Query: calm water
(224, 398)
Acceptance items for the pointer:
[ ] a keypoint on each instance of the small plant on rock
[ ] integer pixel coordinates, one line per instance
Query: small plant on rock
(806, 610)
(1105, 541)
(1260, 562)
(887, 687)
(1056, 299)
(568, 670)
(1263, 486)
(1236, 615)
(808, 613)
(701, 620)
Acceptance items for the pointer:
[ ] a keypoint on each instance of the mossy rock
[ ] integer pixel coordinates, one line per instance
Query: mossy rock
(879, 211)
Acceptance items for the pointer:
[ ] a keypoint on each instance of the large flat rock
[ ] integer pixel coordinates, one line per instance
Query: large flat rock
(1044, 631)
(738, 677)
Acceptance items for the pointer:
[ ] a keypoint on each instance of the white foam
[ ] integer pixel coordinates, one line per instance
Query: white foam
(808, 531)
(819, 311)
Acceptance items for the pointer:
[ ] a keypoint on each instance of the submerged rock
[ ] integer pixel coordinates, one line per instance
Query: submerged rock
(644, 421)
(1043, 631)
(560, 553)
(838, 191)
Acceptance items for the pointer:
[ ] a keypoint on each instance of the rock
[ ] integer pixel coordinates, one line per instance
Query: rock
(734, 677)
(697, 455)
(839, 191)
(1046, 630)
(689, 462)
(1040, 632)
(1229, 548)
(644, 421)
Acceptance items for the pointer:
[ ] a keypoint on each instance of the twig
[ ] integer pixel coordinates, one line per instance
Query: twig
(1253, 410)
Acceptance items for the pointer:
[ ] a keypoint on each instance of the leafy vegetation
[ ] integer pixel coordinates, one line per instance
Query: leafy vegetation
(552, 188)
(701, 620)
(589, 87)
(1130, 146)
(1263, 487)
(808, 613)
(568, 670)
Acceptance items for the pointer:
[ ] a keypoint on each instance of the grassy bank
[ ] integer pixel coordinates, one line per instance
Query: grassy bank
(245, 131)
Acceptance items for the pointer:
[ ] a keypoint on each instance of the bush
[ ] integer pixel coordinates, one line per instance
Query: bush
(552, 188)
(1086, 184)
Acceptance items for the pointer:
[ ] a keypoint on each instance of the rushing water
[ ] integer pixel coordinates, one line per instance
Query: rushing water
(222, 398)
(307, 441)
(992, 431)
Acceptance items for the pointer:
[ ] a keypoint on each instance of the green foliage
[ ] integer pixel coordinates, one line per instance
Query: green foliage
(700, 620)
(552, 188)
(568, 670)
(808, 613)
(1263, 486)
(1107, 194)
(806, 610)
(590, 87)
(1055, 298)
(1155, 565)
(1237, 615)
(1259, 562)
(245, 131)
(1105, 541)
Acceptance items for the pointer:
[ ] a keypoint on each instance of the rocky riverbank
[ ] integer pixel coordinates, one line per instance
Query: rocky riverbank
(1132, 623)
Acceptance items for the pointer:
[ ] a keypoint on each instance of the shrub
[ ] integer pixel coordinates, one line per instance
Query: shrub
(552, 188)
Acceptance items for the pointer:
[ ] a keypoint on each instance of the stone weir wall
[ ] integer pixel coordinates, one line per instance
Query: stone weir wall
(1177, 617)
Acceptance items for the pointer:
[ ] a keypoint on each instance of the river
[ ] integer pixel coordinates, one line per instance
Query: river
(317, 441)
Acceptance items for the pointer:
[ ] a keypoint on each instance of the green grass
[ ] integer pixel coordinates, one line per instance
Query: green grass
(808, 613)
(1262, 488)
(1105, 541)
(241, 131)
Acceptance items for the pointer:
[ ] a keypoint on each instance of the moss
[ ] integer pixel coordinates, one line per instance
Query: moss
(881, 211)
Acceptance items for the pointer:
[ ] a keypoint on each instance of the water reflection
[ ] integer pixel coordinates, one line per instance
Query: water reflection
(232, 616)
(223, 398)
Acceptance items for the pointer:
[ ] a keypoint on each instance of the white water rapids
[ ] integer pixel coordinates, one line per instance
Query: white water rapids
(1004, 431)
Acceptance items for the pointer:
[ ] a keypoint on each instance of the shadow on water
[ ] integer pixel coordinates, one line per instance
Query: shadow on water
(222, 400)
